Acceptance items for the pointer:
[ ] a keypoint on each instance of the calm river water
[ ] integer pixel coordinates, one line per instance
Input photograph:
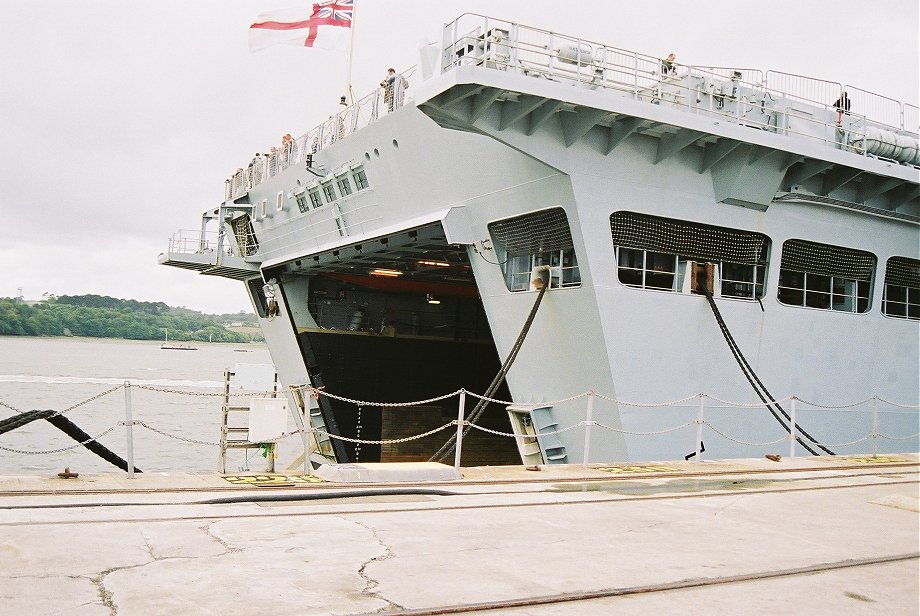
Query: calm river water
(59, 373)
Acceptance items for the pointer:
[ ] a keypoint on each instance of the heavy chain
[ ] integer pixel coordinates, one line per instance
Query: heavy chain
(899, 438)
(647, 405)
(734, 440)
(203, 394)
(12, 408)
(665, 431)
(830, 406)
(178, 438)
(389, 441)
(62, 449)
(318, 391)
(88, 400)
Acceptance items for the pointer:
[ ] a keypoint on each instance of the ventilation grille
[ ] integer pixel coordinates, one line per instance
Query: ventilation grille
(903, 272)
(812, 257)
(532, 234)
(688, 239)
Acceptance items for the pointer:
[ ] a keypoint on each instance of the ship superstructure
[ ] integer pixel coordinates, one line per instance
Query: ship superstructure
(394, 252)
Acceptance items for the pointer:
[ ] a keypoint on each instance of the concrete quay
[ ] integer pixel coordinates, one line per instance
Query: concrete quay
(829, 535)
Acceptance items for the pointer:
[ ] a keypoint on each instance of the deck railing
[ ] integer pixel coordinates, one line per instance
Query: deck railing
(770, 100)
(189, 241)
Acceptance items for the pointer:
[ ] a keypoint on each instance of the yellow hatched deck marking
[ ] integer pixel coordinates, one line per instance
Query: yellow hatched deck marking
(637, 468)
(876, 459)
(271, 480)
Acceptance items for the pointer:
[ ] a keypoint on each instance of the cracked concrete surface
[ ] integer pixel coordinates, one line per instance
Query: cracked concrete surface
(370, 588)
(352, 556)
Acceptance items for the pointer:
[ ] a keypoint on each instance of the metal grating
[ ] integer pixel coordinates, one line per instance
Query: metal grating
(688, 239)
(245, 236)
(903, 272)
(533, 233)
(804, 256)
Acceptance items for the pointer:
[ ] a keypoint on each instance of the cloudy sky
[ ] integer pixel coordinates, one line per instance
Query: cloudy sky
(120, 119)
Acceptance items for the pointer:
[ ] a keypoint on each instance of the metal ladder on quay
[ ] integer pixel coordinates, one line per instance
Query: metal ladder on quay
(234, 426)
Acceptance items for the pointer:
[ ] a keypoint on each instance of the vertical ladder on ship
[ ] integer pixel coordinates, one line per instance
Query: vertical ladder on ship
(322, 444)
(234, 426)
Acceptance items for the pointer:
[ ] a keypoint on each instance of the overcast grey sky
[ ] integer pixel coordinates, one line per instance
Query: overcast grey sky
(120, 119)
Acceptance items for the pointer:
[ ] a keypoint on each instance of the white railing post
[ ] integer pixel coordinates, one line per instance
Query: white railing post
(589, 419)
(792, 428)
(307, 433)
(874, 426)
(699, 430)
(461, 415)
(129, 429)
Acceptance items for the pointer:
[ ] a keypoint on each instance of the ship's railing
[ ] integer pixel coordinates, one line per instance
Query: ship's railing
(188, 241)
(740, 94)
(791, 104)
(686, 422)
(349, 118)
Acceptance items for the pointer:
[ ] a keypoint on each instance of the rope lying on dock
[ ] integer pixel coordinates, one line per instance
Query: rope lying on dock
(67, 427)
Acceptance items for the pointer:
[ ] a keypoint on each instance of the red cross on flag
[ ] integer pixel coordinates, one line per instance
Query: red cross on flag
(322, 25)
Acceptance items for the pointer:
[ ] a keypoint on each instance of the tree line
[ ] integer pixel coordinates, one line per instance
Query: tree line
(98, 316)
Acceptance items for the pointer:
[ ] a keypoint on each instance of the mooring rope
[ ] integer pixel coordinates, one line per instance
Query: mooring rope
(451, 443)
(759, 388)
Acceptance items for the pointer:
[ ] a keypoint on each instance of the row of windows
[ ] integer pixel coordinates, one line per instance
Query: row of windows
(661, 254)
(321, 193)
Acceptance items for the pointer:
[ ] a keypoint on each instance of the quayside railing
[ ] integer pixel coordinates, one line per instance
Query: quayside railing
(697, 426)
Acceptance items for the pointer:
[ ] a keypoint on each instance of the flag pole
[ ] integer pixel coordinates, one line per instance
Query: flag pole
(351, 44)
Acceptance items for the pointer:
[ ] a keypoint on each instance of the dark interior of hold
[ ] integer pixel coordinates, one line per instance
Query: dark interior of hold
(392, 344)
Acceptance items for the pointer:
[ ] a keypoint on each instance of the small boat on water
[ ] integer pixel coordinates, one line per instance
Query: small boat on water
(169, 346)
(172, 346)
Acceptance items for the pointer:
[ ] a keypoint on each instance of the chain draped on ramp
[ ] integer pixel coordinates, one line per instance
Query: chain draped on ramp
(480, 408)
(69, 428)
(759, 388)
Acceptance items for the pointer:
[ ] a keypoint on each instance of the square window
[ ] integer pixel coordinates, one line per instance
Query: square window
(329, 192)
(344, 185)
(360, 178)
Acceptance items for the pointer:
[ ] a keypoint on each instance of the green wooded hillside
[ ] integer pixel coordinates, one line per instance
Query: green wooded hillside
(99, 316)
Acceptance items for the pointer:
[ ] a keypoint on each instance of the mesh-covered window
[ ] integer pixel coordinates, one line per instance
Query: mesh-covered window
(245, 236)
(656, 253)
(825, 277)
(692, 240)
(901, 298)
(529, 234)
(531, 240)
(804, 256)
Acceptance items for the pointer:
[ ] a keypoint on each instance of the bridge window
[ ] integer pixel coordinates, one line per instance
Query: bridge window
(315, 200)
(657, 253)
(301, 199)
(901, 298)
(825, 277)
(329, 192)
(540, 238)
(360, 178)
(344, 185)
